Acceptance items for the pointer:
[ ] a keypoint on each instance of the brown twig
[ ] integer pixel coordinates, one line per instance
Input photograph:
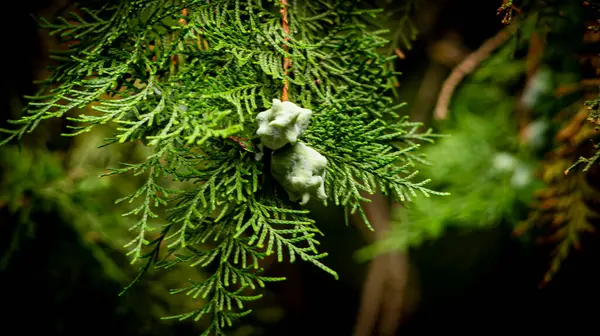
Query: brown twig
(287, 62)
(393, 304)
(444, 54)
(371, 297)
(534, 54)
(574, 87)
(399, 53)
(383, 293)
(568, 132)
(184, 12)
(467, 66)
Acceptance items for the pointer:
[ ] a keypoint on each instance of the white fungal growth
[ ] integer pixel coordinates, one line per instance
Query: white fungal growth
(298, 168)
(283, 123)
(301, 172)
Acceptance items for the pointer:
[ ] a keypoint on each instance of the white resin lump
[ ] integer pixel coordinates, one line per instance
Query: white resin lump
(283, 123)
(301, 172)
(298, 168)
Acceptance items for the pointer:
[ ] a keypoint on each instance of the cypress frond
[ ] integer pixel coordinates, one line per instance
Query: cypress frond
(188, 79)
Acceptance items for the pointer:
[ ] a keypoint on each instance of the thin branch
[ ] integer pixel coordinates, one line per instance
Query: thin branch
(574, 87)
(184, 13)
(384, 290)
(393, 305)
(466, 67)
(445, 54)
(287, 62)
(372, 297)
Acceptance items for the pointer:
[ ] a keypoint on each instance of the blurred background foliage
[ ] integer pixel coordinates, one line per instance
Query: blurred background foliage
(513, 127)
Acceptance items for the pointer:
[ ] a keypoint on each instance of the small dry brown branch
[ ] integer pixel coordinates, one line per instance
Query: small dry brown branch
(467, 66)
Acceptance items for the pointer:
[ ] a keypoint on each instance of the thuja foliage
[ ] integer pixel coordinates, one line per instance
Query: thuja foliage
(188, 78)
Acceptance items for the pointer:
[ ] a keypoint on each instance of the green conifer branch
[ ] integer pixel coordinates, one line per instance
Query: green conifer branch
(188, 78)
